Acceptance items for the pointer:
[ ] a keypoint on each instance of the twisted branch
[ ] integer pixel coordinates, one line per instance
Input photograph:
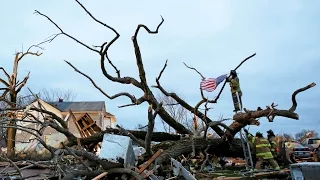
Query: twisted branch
(294, 94)
(202, 77)
(131, 97)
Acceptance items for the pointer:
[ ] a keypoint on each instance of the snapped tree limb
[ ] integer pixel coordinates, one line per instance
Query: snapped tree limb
(11, 91)
(294, 94)
(127, 133)
(248, 117)
(151, 118)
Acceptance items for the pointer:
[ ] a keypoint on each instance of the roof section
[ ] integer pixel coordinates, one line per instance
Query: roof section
(109, 114)
(78, 106)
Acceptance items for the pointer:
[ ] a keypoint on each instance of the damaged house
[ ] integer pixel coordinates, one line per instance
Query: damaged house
(68, 111)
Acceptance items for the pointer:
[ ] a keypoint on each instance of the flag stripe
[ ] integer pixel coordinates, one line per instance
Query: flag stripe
(211, 84)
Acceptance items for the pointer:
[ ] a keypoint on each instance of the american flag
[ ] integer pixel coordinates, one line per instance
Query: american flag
(211, 84)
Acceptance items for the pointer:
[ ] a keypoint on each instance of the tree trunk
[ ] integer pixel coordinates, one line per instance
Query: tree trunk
(218, 147)
(98, 137)
(11, 132)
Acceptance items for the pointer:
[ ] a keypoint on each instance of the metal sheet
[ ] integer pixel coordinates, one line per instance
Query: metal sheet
(138, 151)
(117, 149)
(178, 169)
(153, 177)
(305, 170)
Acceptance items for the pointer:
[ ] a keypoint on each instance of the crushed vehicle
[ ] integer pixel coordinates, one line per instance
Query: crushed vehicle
(314, 145)
(298, 152)
(291, 151)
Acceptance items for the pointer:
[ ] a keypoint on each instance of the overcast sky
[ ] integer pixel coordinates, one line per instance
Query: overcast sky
(213, 36)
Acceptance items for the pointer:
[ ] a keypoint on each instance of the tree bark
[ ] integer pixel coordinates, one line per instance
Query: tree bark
(12, 88)
(218, 147)
(98, 137)
(11, 132)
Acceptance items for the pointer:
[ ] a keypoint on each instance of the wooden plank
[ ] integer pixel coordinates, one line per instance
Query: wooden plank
(90, 120)
(272, 173)
(100, 176)
(80, 117)
(74, 119)
(147, 164)
(87, 127)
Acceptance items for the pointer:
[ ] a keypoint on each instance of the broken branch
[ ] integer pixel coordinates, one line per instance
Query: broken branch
(142, 73)
(294, 102)
(202, 77)
(127, 133)
(249, 117)
(5, 72)
(132, 98)
(151, 118)
(12, 163)
(62, 32)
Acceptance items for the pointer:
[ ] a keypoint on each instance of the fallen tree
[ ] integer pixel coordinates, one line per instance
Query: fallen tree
(224, 146)
(241, 119)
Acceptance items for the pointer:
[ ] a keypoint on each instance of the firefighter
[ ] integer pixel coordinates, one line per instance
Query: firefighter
(235, 90)
(273, 143)
(263, 152)
(252, 146)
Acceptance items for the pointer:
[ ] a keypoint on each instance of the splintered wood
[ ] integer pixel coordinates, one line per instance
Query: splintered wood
(146, 164)
(100, 176)
(86, 127)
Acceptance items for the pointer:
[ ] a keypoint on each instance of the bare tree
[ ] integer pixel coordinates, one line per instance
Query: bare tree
(177, 112)
(51, 95)
(303, 133)
(288, 136)
(11, 89)
(48, 95)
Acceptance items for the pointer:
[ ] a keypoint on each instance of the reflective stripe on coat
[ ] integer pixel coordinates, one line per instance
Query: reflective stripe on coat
(263, 148)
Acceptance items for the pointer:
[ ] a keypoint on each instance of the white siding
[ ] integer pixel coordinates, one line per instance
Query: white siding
(107, 123)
